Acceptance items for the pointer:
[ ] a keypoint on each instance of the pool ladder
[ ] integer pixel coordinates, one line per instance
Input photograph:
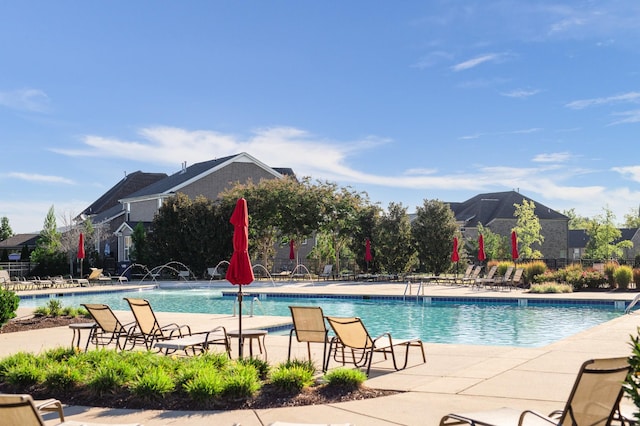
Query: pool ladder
(632, 304)
(409, 288)
(254, 300)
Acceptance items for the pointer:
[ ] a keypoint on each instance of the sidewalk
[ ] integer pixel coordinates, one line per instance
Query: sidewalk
(455, 377)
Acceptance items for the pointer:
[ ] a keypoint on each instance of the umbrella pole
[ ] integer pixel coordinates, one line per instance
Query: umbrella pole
(240, 322)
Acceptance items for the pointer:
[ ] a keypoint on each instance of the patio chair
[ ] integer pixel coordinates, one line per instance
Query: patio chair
(516, 279)
(22, 410)
(500, 281)
(327, 272)
(352, 336)
(490, 277)
(309, 326)
(593, 400)
(108, 327)
(148, 329)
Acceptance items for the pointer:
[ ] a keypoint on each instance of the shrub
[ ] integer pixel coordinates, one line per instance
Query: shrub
(609, 271)
(60, 377)
(24, 374)
(110, 376)
(262, 367)
(9, 302)
(291, 378)
(623, 276)
(16, 359)
(532, 270)
(636, 277)
(346, 378)
(632, 385)
(243, 382)
(153, 384)
(551, 287)
(204, 384)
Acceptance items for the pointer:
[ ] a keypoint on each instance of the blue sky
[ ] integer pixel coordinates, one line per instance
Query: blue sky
(407, 101)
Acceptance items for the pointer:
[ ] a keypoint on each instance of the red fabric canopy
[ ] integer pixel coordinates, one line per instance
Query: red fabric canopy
(481, 255)
(292, 252)
(367, 251)
(514, 245)
(455, 257)
(81, 247)
(240, 271)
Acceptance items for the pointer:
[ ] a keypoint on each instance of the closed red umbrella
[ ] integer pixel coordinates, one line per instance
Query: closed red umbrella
(514, 245)
(367, 253)
(81, 251)
(240, 271)
(481, 255)
(292, 253)
(455, 256)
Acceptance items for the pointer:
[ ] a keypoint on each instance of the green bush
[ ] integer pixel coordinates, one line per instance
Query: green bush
(532, 270)
(153, 384)
(262, 367)
(623, 276)
(60, 377)
(9, 302)
(243, 382)
(551, 288)
(204, 384)
(636, 277)
(24, 374)
(609, 271)
(632, 384)
(346, 378)
(291, 378)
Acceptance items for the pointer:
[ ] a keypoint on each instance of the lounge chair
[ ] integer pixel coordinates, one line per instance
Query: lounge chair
(352, 336)
(327, 272)
(516, 279)
(501, 281)
(593, 400)
(108, 327)
(309, 326)
(22, 410)
(471, 277)
(196, 342)
(489, 278)
(148, 329)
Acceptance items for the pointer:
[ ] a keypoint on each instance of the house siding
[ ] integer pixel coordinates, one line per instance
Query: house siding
(213, 184)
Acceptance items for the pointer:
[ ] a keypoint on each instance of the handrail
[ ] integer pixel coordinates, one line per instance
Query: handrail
(409, 286)
(632, 304)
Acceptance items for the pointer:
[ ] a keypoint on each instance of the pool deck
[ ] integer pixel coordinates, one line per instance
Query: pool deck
(455, 378)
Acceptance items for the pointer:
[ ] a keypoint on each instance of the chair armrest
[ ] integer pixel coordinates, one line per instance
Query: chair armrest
(49, 405)
(535, 414)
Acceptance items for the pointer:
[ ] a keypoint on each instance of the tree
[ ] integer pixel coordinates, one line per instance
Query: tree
(602, 234)
(48, 253)
(496, 246)
(196, 233)
(139, 252)
(433, 230)
(5, 229)
(632, 219)
(365, 226)
(576, 221)
(393, 238)
(528, 229)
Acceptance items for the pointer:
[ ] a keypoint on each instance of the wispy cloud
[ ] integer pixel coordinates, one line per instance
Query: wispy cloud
(510, 132)
(474, 62)
(34, 177)
(520, 93)
(632, 172)
(585, 103)
(632, 116)
(25, 100)
(556, 157)
(432, 59)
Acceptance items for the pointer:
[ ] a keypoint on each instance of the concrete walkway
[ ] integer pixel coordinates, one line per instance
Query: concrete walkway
(455, 378)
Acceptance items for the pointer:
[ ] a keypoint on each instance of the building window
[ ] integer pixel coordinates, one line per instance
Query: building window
(127, 247)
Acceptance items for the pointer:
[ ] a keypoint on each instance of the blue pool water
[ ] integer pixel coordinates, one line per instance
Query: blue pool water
(439, 321)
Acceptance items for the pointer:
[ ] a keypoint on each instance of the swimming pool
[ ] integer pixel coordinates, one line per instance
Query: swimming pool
(436, 320)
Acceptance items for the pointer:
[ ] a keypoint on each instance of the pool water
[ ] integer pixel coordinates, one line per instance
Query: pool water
(448, 322)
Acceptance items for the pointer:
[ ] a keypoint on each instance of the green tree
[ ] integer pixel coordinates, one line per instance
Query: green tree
(632, 219)
(139, 252)
(24, 254)
(496, 246)
(433, 230)
(366, 223)
(528, 229)
(602, 234)
(48, 253)
(393, 238)
(576, 221)
(5, 229)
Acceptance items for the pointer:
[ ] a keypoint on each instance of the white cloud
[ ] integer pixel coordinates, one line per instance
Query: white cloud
(26, 100)
(556, 157)
(633, 172)
(34, 177)
(585, 103)
(471, 63)
(632, 116)
(520, 93)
